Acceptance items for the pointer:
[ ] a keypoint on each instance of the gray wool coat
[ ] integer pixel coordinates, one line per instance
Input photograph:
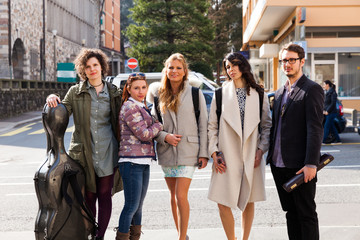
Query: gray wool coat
(194, 141)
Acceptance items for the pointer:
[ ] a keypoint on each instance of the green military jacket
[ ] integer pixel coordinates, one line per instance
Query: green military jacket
(78, 103)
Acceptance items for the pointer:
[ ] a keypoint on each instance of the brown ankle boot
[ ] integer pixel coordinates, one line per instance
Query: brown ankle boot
(122, 236)
(135, 232)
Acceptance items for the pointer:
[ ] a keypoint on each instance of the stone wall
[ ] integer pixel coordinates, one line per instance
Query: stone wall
(19, 96)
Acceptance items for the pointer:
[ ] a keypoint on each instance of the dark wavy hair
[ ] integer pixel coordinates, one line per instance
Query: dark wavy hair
(87, 53)
(236, 58)
(292, 47)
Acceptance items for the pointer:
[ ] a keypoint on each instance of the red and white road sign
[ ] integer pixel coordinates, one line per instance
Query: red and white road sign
(132, 63)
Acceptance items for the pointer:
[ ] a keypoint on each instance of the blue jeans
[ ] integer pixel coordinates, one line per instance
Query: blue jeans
(330, 127)
(136, 181)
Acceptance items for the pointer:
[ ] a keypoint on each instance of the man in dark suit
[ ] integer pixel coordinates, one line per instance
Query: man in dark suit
(295, 142)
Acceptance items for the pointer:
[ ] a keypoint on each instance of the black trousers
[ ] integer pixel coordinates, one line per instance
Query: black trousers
(299, 205)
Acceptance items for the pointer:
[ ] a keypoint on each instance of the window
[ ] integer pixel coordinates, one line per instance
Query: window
(349, 74)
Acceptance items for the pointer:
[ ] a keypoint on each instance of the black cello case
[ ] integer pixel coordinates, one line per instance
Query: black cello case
(60, 187)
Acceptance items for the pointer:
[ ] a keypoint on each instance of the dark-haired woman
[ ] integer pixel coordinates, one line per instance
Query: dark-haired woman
(95, 105)
(241, 180)
(137, 130)
(330, 112)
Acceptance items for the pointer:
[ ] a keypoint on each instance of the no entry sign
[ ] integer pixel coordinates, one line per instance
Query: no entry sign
(132, 63)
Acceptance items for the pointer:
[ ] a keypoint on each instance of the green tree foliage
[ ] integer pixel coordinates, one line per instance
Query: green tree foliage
(163, 27)
(226, 16)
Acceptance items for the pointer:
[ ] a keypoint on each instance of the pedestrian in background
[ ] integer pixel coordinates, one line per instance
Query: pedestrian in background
(330, 112)
(182, 146)
(95, 106)
(295, 142)
(137, 130)
(240, 181)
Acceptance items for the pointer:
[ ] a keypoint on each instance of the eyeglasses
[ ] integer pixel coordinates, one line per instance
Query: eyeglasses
(290, 60)
(138, 75)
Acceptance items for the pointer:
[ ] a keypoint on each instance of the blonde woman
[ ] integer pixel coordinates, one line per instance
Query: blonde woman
(182, 145)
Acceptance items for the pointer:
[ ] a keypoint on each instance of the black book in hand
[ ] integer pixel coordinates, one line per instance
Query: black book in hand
(297, 180)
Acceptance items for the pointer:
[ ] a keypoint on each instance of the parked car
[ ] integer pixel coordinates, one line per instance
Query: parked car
(109, 78)
(195, 79)
(340, 121)
(208, 94)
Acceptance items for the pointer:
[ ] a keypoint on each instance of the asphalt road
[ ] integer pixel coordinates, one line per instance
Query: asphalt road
(338, 194)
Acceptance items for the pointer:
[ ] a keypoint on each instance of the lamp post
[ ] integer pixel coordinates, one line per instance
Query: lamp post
(112, 63)
(54, 39)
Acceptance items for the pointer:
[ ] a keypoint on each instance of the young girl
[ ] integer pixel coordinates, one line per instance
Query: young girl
(137, 130)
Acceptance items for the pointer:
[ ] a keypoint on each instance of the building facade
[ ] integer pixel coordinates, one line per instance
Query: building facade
(30, 49)
(329, 31)
(110, 34)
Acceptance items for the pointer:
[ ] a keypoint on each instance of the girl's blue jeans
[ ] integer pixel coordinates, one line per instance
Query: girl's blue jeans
(135, 181)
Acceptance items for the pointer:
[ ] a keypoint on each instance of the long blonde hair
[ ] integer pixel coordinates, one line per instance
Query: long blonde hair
(168, 100)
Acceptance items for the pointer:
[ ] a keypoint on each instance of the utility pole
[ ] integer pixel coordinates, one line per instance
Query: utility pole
(42, 48)
(9, 38)
(100, 14)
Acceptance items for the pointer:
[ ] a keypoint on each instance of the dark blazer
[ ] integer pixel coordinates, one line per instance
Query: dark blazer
(301, 128)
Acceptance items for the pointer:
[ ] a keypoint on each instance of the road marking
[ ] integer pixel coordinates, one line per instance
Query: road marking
(20, 194)
(16, 177)
(267, 187)
(70, 129)
(28, 127)
(166, 190)
(202, 177)
(330, 151)
(40, 131)
(15, 184)
(19, 130)
(350, 166)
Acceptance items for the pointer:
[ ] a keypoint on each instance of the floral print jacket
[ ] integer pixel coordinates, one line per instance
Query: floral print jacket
(137, 130)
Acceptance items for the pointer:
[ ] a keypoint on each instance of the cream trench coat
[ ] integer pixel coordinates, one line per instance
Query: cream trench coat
(241, 183)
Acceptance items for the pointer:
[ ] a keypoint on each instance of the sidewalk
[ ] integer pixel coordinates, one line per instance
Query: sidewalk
(257, 233)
